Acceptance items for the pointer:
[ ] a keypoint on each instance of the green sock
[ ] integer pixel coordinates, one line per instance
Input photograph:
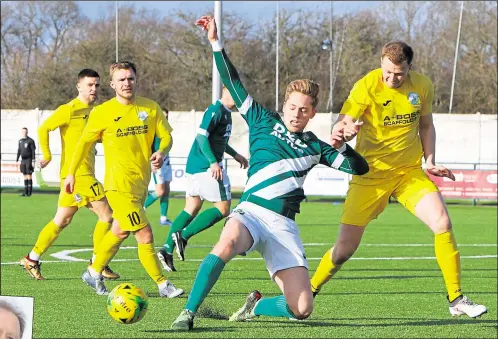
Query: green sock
(151, 198)
(203, 221)
(164, 205)
(274, 307)
(207, 275)
(181, 221)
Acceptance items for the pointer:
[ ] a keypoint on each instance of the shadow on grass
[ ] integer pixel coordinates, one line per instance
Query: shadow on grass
(389, 293)
(194, 330)
(399, 322)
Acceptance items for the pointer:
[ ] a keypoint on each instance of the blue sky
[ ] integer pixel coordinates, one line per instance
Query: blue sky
(255, 10)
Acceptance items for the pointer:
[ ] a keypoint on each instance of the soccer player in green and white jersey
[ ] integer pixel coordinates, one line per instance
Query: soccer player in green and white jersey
(206, 179)
(162, 178)
(281, 156)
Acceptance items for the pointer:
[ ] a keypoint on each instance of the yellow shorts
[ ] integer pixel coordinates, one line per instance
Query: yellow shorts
(368, 197)
(128, 210)
(86, 189)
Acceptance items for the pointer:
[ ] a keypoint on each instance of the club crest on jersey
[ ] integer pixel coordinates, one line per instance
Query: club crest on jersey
(280, 132)
(142, 115)
(413, 98)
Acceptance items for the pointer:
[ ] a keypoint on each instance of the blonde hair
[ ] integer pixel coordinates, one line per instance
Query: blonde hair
(397, 52)
(304, 86)
(122, 65)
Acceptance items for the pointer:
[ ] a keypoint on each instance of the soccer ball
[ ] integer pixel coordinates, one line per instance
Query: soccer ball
(127, 303)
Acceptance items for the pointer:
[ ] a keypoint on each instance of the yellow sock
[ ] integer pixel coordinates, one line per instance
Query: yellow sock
(101, 228)
(106, 250)
(150, 262)
(326, 270)
(448, 258)
(46, 238)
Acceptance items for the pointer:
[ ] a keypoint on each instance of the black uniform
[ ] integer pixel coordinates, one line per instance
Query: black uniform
(26, 151)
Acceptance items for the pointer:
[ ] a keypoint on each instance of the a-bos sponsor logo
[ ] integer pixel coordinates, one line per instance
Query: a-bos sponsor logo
(401, 119)
(132, 130)
(280, 132)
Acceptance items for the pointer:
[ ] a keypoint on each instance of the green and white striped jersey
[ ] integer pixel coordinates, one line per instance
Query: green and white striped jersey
(216, 125)
(279, 159)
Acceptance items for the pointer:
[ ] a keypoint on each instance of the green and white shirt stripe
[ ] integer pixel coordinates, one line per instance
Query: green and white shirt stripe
(279, 159)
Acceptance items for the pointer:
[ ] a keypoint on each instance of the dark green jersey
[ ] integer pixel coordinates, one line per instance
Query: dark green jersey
(216, 125)
(280, 159)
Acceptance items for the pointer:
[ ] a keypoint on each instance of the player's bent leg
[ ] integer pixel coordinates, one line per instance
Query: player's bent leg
(46, 238)
(106, 250)
(192, 207)
(348, 240)
(295, 303)
(103, 211)
(234, 239)
(432, 211)
(150, 262)
(202, 222)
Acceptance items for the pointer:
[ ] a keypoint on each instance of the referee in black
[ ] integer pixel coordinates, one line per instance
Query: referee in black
(26, 151)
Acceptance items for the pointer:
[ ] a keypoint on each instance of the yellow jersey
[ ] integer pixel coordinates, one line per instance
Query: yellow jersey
(70, 119)
(389, 139)
(127, 133)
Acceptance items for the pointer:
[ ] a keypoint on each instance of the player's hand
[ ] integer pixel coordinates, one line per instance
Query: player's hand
(216, 171)
(440, 171)
(208, 23)
(351, 130)
(69, 183)
(44, 163)
(337, 135)
(156, 160)
(242, 161)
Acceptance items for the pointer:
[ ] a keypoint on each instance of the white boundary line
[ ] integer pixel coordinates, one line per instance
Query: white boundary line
(65, 255)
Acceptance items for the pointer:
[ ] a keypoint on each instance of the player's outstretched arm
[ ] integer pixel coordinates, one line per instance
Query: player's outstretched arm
(228, 74)
(344, 159)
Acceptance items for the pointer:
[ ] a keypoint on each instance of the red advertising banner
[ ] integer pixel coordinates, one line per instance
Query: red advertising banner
(469, 184)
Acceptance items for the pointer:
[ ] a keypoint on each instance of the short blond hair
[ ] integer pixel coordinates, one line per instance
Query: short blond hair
(122, 65)
(304, 86)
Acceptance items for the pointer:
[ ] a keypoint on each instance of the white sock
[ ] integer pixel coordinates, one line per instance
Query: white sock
(34, 256)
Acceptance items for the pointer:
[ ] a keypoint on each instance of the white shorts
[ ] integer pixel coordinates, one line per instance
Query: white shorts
(203, 185)
(165, 174)
(275, 237)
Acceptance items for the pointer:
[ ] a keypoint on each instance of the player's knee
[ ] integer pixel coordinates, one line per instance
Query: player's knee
(302, 310)
(224, 210)
(442, 224)
(62, 220)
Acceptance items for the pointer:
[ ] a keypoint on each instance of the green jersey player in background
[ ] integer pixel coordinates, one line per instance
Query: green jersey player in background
(162, 178)
(281, 156)
(206, 179)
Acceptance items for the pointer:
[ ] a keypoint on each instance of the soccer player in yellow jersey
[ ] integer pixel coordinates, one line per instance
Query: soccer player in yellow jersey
(391, 111)
(71, 119)
(126, 125)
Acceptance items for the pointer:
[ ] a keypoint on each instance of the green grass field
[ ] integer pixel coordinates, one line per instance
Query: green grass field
(392, 288)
